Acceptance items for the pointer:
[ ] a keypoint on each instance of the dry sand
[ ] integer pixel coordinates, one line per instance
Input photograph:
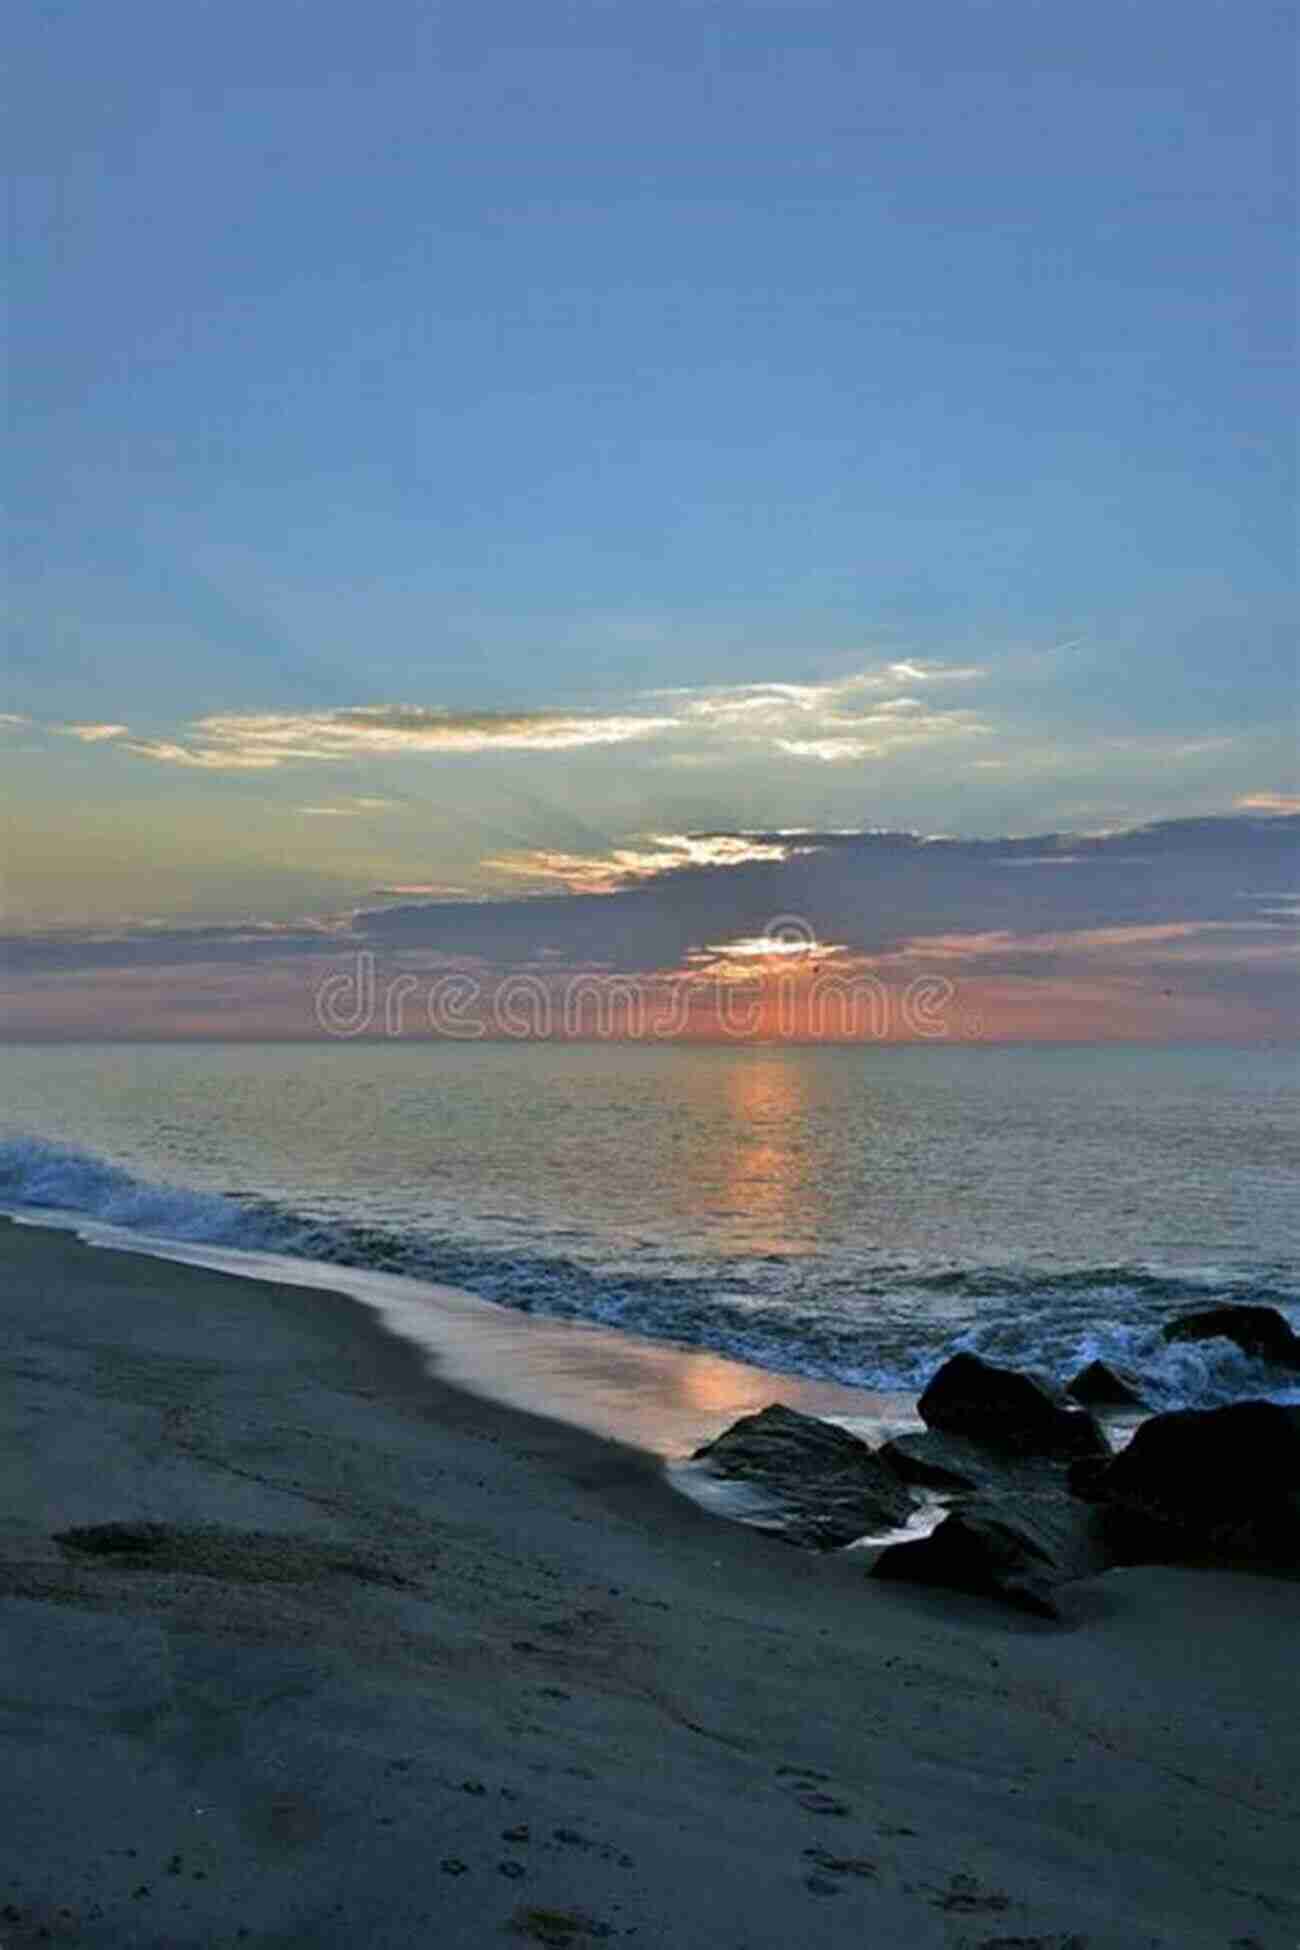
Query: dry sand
(397, 1666)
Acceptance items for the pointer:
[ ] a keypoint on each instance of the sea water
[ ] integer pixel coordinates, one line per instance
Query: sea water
(845, 1215)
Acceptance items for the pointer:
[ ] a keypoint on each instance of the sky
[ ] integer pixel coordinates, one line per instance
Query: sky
(557, 488)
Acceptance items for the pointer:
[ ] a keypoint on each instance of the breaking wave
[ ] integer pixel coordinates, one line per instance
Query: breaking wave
(867, 1322)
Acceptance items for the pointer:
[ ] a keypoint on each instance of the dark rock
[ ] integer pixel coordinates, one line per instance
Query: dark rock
(936, 1461)
(829, 1487)
(1221, 1455)
(1020, 1550)
(1100, 1385)
(1261, 1332)
(951, 1464)
(1218, 1484)
(1086, 1476)
(1019, 1414)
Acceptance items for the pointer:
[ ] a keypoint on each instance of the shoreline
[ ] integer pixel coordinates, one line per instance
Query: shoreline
(663, 1397)
(501, 1676)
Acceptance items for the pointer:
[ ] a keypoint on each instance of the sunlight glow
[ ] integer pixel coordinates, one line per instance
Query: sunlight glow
(760, 946)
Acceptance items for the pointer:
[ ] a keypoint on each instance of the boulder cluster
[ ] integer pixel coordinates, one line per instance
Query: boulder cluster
(1035, 1495)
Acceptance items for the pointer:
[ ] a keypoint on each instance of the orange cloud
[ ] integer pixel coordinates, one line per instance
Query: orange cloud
(1269, 802)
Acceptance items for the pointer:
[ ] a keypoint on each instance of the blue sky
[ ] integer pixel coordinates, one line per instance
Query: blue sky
(503, 359)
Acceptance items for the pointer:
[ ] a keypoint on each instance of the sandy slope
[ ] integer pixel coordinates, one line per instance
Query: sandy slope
(491, 1680)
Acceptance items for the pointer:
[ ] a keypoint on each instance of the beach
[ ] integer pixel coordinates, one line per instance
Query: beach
(380, 1662)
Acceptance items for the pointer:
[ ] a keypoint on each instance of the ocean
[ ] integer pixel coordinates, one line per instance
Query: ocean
(849, 1215)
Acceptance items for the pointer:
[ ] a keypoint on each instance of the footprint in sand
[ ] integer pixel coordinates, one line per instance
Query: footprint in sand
(965, 1897)
(842, 1865)
(803, 1783)
(558, 1928)
(1034, 1943)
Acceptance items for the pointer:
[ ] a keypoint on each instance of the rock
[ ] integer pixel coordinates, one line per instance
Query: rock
(1262, 1332)
(1019, 1414)
(1020, 1550)
(830, 1486)
(1221, 1484)
(950, 1464)
(1086, 1475)
(1100, 1385)
(936, 1461)
(1223, 1455)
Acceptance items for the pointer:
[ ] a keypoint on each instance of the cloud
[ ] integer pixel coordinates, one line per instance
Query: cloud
(867, 714)
(754, 700)
(202, 758)
(257, 741)
(1154, 912)
(1004, 946)
(831, 751)
(658, 853)
(654, 904)
(881, 893)
(94, 734)
(348, 808)
(826, 720)
(65, 951)
(1269, 802)
(899, 725)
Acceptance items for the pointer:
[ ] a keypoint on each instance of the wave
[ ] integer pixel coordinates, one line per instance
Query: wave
(876, 1324)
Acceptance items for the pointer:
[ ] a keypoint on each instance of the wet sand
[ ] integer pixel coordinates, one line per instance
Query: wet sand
(378, 1662)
